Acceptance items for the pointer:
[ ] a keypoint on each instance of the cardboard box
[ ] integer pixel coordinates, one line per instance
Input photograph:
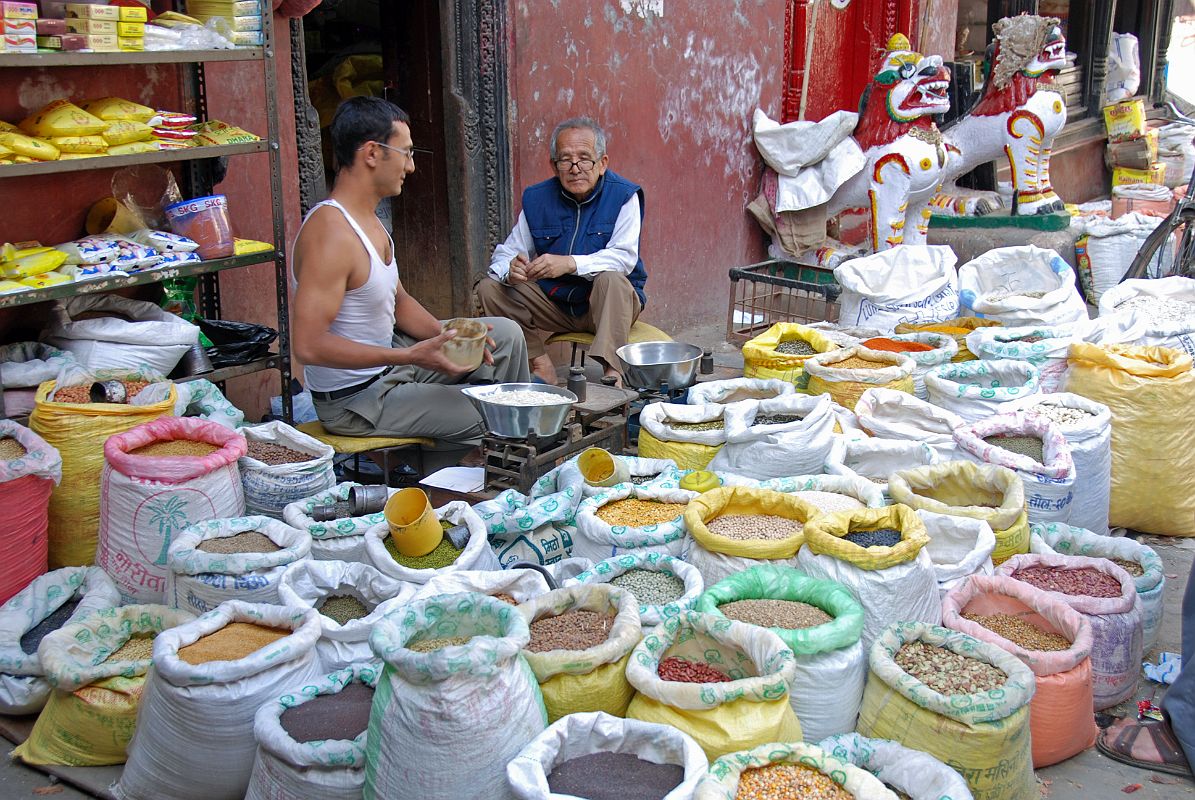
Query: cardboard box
(131, 29)
(133, 14)
(105, 27)
(90, 11)
(101, 42)
(52, 9)
(15, 10)
(1123, 176)
(19, 27)
(251, 23)
(1125, 120)
(1139, 153)
(20, 44)
(51, 27)
(133, 43)
(65, 41)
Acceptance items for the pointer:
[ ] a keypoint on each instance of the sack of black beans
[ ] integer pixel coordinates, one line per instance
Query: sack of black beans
(628, 519)
(283, 465)
(889, 414)
(821, 622)
(874, 459)
(454, 664)
(46, 604)
(1031, 446)
(311, 740)
(446, 557)
(349, 597)
(515, 586)
(958, 547)
(654, 472)
(975, 390)
(538, 527)
(601, 757)
(688, 435)
(977, 721)
(662, 585)
(917, 775)
(734, 390)
(792, 768)
(340, 539)
(1104, 593)
(240, 558)
(765, 439)
(724, 683)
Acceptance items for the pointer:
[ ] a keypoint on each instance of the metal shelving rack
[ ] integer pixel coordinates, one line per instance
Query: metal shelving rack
(198, 165)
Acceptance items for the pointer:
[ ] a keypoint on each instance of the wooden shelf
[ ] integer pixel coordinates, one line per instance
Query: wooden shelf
(113, 162)
(74, 59)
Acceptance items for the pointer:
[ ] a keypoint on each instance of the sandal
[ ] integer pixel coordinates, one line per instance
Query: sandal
(1119, 739)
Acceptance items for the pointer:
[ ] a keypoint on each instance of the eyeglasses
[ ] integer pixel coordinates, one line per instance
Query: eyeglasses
(409, 152)
(584, 165)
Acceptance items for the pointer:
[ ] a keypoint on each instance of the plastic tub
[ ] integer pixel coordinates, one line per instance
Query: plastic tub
(467, 348)
(205, 221)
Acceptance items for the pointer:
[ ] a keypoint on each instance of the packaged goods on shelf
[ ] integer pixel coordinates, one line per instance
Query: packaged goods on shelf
(92, 11)
(15, 10)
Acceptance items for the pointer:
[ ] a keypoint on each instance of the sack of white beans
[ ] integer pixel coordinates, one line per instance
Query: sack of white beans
(889, 414)
(1165, 306)
(918, 775)
(975, 389)
(631, 571)
(341, 539)
(778, 437)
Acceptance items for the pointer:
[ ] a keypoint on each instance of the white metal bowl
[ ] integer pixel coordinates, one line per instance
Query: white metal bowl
(652, 365)
(519, 422)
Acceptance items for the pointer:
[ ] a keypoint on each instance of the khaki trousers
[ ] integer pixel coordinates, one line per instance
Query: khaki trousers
(613, 309)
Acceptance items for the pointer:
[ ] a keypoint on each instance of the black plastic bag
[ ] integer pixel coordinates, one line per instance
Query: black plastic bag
(236, 342)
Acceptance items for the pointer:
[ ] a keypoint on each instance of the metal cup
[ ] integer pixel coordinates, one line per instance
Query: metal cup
(367, 499)
(195, 361)
(108, 392)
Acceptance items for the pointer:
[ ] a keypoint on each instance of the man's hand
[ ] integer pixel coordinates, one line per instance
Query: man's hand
(550, 266)
(429, 354)
(518, 270)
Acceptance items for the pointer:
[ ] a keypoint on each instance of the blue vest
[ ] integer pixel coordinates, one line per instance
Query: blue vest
(561, 226)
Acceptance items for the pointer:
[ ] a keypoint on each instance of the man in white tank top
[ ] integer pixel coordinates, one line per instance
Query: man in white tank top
(374, 355)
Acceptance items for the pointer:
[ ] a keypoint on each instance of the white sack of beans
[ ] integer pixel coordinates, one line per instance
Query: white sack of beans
(477, 553)
(194, 737)
(1020, 285)
(661, 472)
(889, 414)
(658, 563)
(598, 540)
(874, 459)
(338, 539)
(667, 421)
(270, 488)
(521, 584)
(198, 580)
(1087, 427)
(958, 547)
(538, 527)
(766, 450)
(816, 488)
(736, 389)
(918, 775)
(1165, 307)
(975, 390)
(308, 583)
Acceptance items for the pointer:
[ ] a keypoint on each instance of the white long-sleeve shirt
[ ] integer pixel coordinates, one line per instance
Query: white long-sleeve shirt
(621, 254)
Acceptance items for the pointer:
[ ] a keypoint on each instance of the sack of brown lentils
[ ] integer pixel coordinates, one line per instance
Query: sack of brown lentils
(239, 558)
(341, 539)
(688, 435)
(917, 775)
(734, 390)
(194, 736)
(850, 371)
(976, 389)
(283, 465)
(630, 518)
(958, 547)
(774, 438)
(963, 701)
(889, 414)
(821, 622)
(662, 585)
(350, 598)
(724, 683)
(477, 555)
(788, 769)
(453, 663)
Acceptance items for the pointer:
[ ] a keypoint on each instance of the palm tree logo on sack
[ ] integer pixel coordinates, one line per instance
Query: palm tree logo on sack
(159, 517)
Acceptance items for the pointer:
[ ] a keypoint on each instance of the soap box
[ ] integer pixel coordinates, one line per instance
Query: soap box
(91, 26)
(52, 9)
(14, 10)
(20, 27)
(130, 29)
(17, 43)
(90, 11)
(133, 14)
(101, 42)
(131, 42)
(51, 27)
(248, 38)
(251, 23)
(65, 41)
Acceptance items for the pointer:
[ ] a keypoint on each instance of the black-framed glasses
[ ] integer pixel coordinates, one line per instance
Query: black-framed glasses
(583, 165)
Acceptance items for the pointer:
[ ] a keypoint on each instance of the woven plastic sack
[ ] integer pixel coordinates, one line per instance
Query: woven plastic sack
(945, 348)
(889, 414)
(874, 459)
(764, 450)
(593, 679)
(25, 485)
(129, 334)
(588, 733)
(204, 400)
(980, 491)
(200, 581)
(735, 390)
(194, 737)
(984, 736)
(830, 654)
(598, 540)
(750, 709)
(824, 536)
(23, 687)
(1179, 333)
(760, 359)
(975, 390)
(958, 547)
(845, 335)
(521, 584)
(722, 780)
(425, 700)
(1147, 390)
(605, 571)
(538, 527)
(145, 501)
(27, 364)
(269, 489)
(1090, 442)
(910, 283)
(476, 555)
(659, 438)
(307, 584)
(1059, 716)
(335, 540)
(956, 328)
(328, 769)
(916, 774)
(999, 284)
(847, 385)
(716, 556)
(1044, 347)
(863, 491)
(78, 431)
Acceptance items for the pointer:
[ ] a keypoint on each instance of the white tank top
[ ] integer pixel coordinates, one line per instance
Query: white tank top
(366, 315)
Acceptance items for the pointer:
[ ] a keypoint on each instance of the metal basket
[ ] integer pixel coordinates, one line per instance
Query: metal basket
(779, 291)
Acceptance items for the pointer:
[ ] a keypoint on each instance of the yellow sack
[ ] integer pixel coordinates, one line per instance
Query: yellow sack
(740, 500)
(846, 384)
(78, 431)
(61, 118)
(52, 278)
(722, 780)
(760, 359)
(30, 262)
(113, 109)
(687, 455)
(79, 144)
(1150, 391)
(74, 156)
(28, 146)
(125, 131)
(662, 433)
(89, 727)
(132, 148)
(956, 328)
(214, 132)
(824, 536)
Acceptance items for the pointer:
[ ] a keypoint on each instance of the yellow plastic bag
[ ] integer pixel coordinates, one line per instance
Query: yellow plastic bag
(847, 384)
(739, 500)
(214, 132)
(687, 455)
(760, 359)
(132, 148)
(51, 278)
(113, 109)
(8, 287)
(89, 727)
(79, 144)
(1150, 391)
(956, 328)
(29, 146)
(5, 153)
(824, 536)
(61, 118)
(8, 127)
(125, 131)
(30, 262)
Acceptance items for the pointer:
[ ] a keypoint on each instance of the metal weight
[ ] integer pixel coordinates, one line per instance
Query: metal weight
(367, 499)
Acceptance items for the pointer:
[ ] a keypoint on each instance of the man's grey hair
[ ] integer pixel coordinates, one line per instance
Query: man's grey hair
(586, 123)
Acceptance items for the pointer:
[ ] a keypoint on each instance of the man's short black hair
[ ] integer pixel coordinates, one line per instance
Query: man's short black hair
(359, 120)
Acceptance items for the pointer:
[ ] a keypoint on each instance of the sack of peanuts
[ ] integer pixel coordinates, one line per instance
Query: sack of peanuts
(963, 701)
(988, 492)
(632, 757)
(874, 459)
(308, 743)
(212, 675)
(438, 651)
(1050, 638)
(889, 414)
(735, 390)
(662, 586)
(974, 390)
(515, 586)
(538, 527)
(29, 470)
(1142, 563)
(1106, 595)
(1164, 306)
(901, 769)
(445, 558)
(789, 768)
(688, 435)
(847, 373)
(238, 558)
(350, 599)
(45, 605)
(1023, 285)
(340, 539)
(765, 439)
(159, 478)
(780, 353)
(821, 622)
(283, 465)
(627, 519)
(958, 547)
(957, 328)
(98, 666)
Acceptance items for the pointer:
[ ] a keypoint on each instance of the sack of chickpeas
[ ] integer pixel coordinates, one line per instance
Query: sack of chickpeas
(340, 539)
(662, 585)
(283, 465)
(688, 435)
(788, 769)
(628, 519)
(916, 775)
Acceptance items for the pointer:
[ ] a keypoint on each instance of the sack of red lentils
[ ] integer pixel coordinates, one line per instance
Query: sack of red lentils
(765, 439)
(889, 414)
(787, 769)
(445, 558)
(724, 683)
(627, 519)
(283, 465)
(29, 470)
(874, 459)
(737, 389)
(959, 547)
(454, 664)
(340, 539)
(663, 586)
(917, 775)
(974, 390)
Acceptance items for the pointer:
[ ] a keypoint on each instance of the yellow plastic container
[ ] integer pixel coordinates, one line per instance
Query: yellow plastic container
(413, 524)
(599, 468)
(700, 481)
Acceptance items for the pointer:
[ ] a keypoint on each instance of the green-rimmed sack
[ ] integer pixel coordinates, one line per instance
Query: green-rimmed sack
(424, 701)
(945, 348)
(985, 735)
(975, 389)
(659, 473)
(593, 679)
(760, 359)
(956, 328)
(859, 489)
(830, 654)
(611, 568)
(328, 769)
(722, 780)
(825, 536)
(598, 540)
(338, 539)
(538, 527)
(749, 709)
(918, 775)
(477, 555)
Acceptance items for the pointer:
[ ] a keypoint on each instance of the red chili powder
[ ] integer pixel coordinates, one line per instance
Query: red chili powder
(893, 346)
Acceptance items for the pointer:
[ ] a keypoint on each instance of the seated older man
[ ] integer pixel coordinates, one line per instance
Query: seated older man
(572, 261)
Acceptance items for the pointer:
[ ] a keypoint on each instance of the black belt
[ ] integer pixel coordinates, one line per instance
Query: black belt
(348, 391)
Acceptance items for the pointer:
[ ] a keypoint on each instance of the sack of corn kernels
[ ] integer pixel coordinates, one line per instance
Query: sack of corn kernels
(628, 519)
(789, 435)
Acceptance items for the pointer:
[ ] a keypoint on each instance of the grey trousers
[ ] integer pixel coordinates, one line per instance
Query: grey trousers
(1179, 703)
(412, 401)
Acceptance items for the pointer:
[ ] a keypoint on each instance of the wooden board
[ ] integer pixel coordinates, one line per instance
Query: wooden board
(93, 780)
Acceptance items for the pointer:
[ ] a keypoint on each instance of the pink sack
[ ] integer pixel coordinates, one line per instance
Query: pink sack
(25, 486)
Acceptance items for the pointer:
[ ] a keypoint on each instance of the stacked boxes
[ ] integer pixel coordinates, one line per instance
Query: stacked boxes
(19, 20)
(130, 31)
(1133, 148)
(96, 24)
(243, 18)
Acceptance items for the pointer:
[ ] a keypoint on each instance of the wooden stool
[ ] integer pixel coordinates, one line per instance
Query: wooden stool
(640, 332)
(356, 445)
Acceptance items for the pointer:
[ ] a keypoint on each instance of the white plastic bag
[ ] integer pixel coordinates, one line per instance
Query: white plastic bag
(339, 539)
(774, 450)
(945, 348)
(734, 390)
(919, 775)
(203, 399)
(864, 491)
(975, 389)
(269, 489)
(907, 283)
(1107, 248)
(598, 540)
(611, 568)
(1001, 284)
(889, 414)
(1176, 152)
(25, 365)
(1124, 68)
(1043, 347)
(477, 553)
(658, 418)
(958, 547)
(874, 459)
(137, 335)
(1178, 333)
